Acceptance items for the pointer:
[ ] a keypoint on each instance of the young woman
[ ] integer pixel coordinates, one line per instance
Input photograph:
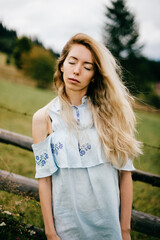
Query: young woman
(84, 145)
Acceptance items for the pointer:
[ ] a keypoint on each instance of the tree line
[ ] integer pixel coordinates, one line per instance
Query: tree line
(30, 55)
(120, 34)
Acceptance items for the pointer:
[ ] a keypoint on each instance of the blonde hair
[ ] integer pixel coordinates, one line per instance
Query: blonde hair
(109, 101)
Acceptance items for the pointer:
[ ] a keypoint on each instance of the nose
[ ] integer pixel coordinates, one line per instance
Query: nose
(77, 69)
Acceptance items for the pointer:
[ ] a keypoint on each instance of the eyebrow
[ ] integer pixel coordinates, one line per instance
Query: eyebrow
(86, 62)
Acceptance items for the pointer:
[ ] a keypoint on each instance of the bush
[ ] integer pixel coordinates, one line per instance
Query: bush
(23, 45)
(13, 228)
(154, 100)
(39, 64)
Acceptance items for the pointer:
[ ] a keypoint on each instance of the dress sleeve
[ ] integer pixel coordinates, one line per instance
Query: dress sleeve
(128, 166)
(45, 162)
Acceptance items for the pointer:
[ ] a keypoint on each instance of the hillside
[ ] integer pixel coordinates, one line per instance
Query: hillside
(9, 72)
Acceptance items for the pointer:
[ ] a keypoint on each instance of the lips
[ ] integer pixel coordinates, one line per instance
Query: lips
(73, 80)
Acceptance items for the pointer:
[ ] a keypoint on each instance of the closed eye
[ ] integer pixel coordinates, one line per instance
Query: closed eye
(89, 69)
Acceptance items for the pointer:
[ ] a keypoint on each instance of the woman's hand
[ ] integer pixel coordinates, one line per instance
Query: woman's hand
(126, 235)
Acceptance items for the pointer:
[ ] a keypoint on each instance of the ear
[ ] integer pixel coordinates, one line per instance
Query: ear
(61, 68)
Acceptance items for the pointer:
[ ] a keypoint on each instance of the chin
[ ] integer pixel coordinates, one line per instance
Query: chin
(72, 86)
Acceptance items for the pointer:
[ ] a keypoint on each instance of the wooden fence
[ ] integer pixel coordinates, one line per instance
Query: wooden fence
(10, 182)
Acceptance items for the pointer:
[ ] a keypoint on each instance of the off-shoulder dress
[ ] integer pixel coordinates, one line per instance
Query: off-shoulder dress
(85, 187)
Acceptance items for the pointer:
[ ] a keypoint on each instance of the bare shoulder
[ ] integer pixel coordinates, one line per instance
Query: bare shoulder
(39, 116)
(40, 128)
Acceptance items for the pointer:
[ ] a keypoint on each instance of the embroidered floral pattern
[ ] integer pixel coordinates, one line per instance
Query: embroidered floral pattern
(84, 148)
(77, 113)
(41, 159)
(56, 147)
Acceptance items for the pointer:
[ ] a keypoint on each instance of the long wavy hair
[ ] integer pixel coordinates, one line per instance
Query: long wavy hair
(109, 101)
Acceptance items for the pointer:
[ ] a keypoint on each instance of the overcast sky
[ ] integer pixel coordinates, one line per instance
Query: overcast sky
(54, 22)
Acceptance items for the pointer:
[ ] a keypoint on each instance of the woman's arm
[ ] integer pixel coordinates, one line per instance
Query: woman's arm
(41, 128)
(126, 195)
(45, 193)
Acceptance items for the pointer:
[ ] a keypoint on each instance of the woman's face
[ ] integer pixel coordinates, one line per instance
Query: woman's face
(78, 69)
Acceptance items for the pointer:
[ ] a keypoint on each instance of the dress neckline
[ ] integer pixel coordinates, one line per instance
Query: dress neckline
(84, 102)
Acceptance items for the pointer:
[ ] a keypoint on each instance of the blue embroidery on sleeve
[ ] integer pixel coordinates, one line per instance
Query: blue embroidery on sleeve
(41, 159)
(56, 147)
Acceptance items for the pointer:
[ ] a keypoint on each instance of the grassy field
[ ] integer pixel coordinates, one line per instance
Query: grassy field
(15, 101)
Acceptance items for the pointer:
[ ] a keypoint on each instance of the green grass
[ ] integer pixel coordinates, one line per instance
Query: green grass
(27, 209)
(148, 127)
(14, 226)
(25, 99)
(20, 99)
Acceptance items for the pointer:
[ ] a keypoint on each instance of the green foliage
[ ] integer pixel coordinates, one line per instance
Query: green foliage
(137, 74)
(7, 39)
(141, 76)
(39, 64)
(29, 55)
(121, 31)
(154, 100)
(23, 45)
(36, 42)
(121, 36)
(12, 227)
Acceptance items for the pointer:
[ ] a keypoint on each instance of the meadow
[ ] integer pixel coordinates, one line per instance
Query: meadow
(18, 102)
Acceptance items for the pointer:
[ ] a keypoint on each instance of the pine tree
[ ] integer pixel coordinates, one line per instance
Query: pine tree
(120, 30)
(7, 39)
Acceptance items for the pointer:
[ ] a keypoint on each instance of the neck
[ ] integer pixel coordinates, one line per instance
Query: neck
(75, 97)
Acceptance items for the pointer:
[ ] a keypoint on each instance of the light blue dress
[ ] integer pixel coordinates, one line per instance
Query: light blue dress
(85, 190)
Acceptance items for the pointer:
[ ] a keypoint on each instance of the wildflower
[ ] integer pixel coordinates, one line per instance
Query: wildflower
(2, 224)
(32, 232)
(7, 212)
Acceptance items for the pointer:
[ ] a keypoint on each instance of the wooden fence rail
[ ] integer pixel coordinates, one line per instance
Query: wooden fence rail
(25, 142)
(18, 184)
(146, 177)
(11, 182)
(16, 139)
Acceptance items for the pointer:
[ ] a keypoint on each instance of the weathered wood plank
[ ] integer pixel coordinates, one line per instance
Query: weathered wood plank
(16, 139)
(145, 223)
(146, 177)
(18, 184)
